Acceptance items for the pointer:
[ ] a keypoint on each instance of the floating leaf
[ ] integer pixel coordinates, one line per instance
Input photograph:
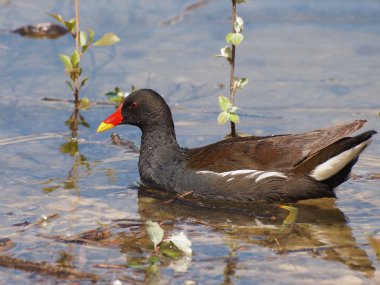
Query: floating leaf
(234, 38)
(155, 232)
(223, 117)
(171, 253)
(67, 62)
(224, 103)
(238, 25)
(182, 242)
(234, 118)
(107, 40)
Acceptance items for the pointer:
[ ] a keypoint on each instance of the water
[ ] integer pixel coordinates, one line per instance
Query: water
(310, 64)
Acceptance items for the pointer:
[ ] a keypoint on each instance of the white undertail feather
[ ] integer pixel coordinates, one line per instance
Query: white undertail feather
(335, 164)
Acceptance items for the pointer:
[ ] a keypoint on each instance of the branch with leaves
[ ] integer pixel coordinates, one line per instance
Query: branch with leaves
(228, 52)
(85, 41)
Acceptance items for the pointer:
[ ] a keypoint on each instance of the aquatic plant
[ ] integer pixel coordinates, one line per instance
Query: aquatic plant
(228, 52)
(83, 41)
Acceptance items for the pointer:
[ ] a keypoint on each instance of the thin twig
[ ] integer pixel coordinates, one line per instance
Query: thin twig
(232, 68)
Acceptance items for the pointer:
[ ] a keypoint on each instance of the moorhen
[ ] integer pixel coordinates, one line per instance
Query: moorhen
(275, 168)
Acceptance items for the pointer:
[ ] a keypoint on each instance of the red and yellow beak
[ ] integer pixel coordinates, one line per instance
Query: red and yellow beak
(112, 121)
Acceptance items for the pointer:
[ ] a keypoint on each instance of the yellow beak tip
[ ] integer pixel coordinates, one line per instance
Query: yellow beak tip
(104, 127)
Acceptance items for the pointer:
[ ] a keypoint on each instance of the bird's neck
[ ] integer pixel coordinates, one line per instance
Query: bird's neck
(158, 138)
(159, 149)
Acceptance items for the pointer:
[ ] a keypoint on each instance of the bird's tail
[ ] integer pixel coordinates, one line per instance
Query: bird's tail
(339, 158)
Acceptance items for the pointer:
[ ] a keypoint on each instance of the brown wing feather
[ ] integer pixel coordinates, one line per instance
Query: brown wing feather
(280, 153)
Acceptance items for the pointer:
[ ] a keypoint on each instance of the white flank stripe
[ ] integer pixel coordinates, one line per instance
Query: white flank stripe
(253, 175)
(337, 163)
(229, 173)
(245, 173)
(270, 174)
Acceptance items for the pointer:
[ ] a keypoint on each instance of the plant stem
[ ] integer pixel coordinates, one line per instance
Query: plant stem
(232, 68)
(74, 129)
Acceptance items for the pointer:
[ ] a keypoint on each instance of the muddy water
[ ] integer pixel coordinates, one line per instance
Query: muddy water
(310, 64)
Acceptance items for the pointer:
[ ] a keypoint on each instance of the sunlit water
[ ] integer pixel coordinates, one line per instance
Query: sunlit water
(310, 64)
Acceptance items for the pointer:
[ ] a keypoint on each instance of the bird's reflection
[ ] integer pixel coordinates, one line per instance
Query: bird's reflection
(319, 227)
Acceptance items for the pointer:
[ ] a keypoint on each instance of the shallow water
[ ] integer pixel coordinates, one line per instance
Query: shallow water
(310, 64)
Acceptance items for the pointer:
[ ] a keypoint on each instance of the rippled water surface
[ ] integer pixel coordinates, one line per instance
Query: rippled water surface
(310, 63)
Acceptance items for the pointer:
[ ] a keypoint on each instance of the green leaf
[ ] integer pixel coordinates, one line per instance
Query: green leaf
(66, 61)
(223, 117)
(83, 82)
(238, 25)
(224, 103)
(84, 48)
(155, 232)
(70, 25)
(91, 35)
(234, 118)
(173, 253)
(82, 39)
(70, 85)
(228, 37)
(241, 1)
(58, 17)
(75, 58)
(234, 38)
(107, 40)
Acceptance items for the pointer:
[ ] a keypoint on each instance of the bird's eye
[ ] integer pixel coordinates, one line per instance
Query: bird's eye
(134, 105)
